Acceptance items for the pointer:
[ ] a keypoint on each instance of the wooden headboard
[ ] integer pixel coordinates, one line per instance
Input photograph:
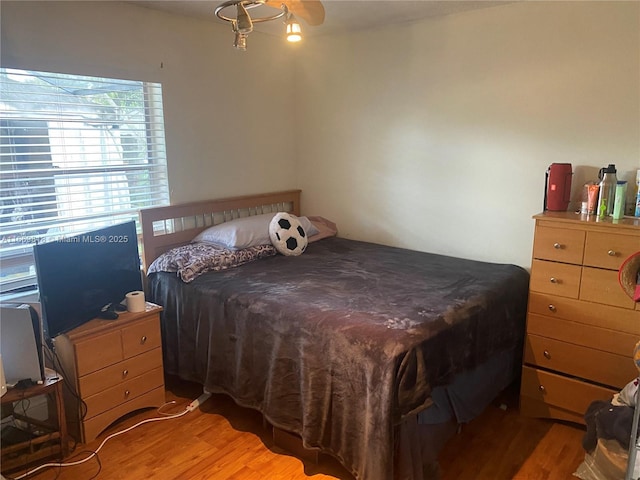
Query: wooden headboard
(170, 226)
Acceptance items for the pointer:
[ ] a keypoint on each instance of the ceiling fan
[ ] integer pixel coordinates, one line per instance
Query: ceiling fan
(311, 11)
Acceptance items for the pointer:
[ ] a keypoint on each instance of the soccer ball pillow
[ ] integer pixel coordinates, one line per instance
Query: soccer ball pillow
(287, 234)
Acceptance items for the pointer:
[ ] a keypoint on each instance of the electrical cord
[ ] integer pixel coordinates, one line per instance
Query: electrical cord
(52, 356)
(50, 351)
(94, 453)
(26, 427)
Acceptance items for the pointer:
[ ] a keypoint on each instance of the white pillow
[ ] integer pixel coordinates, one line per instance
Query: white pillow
(309, 228)
(287, 234)
(246, 232)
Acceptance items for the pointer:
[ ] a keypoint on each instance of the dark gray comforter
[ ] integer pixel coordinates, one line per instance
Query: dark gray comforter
(342, 343)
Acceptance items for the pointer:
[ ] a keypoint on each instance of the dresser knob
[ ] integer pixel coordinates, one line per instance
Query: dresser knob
(553, 280)
(612, 253)
(552, 307)
(125, 373)
(542, 389)
(557, 246)
(547, 355)
(143, 340)
(127, 393)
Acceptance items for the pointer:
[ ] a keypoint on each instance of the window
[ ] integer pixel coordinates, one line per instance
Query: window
(77, 153)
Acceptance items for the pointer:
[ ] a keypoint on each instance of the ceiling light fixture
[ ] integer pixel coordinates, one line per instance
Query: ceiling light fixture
(242, 24)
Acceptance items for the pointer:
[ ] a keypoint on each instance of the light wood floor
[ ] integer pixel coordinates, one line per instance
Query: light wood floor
(223, 441)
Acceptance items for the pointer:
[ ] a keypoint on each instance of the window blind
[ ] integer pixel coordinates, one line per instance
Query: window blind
(77, 153)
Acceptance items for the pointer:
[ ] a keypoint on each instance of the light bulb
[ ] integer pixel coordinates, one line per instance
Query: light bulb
(240, 42)
(294, 31)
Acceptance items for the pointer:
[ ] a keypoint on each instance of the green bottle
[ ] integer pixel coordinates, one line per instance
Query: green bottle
(620, 200)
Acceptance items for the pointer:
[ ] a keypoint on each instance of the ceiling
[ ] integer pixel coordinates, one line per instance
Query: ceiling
(340, 15)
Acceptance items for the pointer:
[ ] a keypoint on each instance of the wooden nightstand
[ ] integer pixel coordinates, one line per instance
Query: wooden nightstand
(115, 367)
(581, 326)
(46, 439)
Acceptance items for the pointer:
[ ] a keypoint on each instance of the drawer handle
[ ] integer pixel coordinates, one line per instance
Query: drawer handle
(547, 355)
(554, 280)
(612, 253)
(552, 307)
(127, 393)
(557, 246)
(125, 373)
(542, 389)
(143, 340)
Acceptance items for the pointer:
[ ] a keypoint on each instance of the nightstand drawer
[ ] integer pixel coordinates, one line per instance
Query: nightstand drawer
(562, 392)
(604, 316)
(92, 427)
(113, 375)
(141, 337)
(578, 361)
(607, 250)
(602, 286)
(559, 245)
(612, 341)
(111, 397)
(555, 278)
(91, 354)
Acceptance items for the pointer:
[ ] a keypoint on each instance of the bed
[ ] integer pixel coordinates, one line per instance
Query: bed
(369, 353)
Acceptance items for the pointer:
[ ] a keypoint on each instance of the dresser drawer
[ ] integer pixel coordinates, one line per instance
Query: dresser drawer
(609, 250)
(530, 407)
(101, 380)
(562, 392)
(611, 341)
(141, 337)
(555, 278)
(559, 245)
(128, 390)
(604, 316)
(98, 352)
(598, 366)
(602, 286)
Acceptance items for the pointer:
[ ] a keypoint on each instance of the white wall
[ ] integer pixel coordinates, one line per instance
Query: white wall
(436, 136)
(227, 113)
(433, 136)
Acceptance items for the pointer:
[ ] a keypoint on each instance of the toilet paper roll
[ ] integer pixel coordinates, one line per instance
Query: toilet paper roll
(135, 302)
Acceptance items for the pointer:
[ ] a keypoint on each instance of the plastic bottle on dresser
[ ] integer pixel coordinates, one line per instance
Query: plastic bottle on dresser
(607, 193)
(619, 204)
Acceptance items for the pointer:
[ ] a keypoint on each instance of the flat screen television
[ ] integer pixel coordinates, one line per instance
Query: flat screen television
(79, 275)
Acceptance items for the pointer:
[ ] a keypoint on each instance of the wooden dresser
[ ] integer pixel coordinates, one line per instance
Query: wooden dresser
(581, 325)
(115, 367)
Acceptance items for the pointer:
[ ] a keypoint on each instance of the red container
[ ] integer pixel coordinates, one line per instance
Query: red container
(557, 193)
